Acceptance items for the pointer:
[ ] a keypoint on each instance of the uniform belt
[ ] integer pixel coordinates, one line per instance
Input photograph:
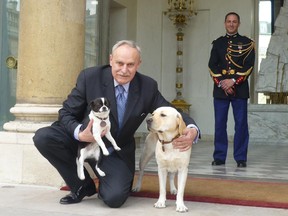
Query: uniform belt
(228, 72)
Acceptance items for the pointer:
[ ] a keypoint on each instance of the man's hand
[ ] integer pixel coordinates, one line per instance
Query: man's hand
(86, 135)
(230, 91)
(227, 84)
(184, 142)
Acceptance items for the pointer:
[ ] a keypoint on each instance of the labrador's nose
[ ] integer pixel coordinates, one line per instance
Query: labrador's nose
(149, 121)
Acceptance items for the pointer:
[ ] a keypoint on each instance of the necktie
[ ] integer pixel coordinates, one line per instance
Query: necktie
(121, 102)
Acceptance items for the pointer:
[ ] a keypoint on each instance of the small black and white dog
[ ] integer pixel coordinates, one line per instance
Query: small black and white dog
(100, 109)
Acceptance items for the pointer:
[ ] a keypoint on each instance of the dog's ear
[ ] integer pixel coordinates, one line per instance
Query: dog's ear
(181, 124)
(91, 104)
(107, 102)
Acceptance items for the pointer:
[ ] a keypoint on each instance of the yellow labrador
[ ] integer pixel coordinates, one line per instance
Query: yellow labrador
(165, 125)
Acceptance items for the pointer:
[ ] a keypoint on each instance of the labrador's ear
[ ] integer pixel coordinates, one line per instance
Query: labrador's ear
(181, 124)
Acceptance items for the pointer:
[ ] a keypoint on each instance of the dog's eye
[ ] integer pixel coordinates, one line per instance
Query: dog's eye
(163, 115)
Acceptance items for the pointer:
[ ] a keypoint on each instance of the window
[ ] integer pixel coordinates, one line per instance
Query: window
(265, 31)
(9, 21)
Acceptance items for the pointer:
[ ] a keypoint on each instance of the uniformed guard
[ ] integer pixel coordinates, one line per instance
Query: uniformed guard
(231, 63)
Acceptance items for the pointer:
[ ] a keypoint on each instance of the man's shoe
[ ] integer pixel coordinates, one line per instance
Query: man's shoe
(241, 164)
(77, 197)
(218, 163)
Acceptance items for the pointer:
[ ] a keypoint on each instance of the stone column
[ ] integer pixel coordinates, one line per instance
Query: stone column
(50, 56)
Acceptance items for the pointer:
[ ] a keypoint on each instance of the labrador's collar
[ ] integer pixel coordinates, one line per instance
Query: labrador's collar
(163, 142)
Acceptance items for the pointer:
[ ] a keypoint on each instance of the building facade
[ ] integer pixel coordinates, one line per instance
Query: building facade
(52, 41)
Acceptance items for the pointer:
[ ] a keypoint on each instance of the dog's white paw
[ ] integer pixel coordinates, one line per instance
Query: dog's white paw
(160, 204)
(105, 152)
(173, 191)
(81, 175)
(100, 172)
(181, 208)
(136, 189)
(117, 148)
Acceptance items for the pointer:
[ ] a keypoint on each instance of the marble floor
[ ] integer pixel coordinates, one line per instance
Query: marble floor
(21, 200)
(265, 163)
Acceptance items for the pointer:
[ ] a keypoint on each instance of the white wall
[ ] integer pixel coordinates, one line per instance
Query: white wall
(156, 35)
